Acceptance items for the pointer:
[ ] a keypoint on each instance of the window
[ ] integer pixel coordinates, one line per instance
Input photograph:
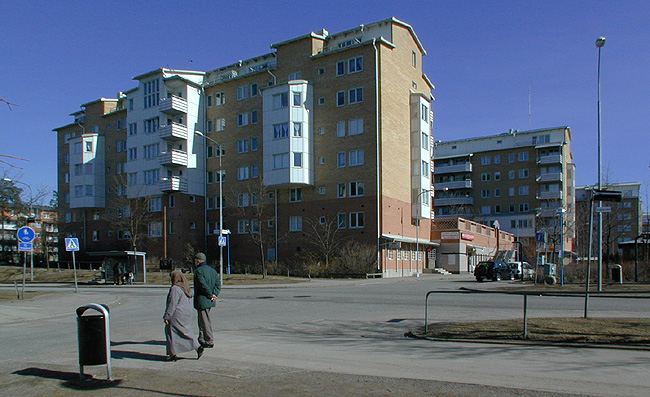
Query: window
(78, 191)
(297, 99)
(321, 100)
(280, 130)
(523, 207)
(150, 91)
(414, 59)
(77, 148)
(280, 100)
(321, 190)
(340, 68)
(89, 146)
(511, 191)
(497, 192)
(243, 173)
(155, 204)
(243, 226)
(295, 223)
(485, 160)
(341, 192)
(95, 235)
(242, 92)
(485, 210)
(497, 159)
(130, 104)
(523, 190)
(209, 125)
(355, 65)
(151, 151)
(355, 95)
(340, 98)
(133, 154)
(253, 144)
(281, 161)
(341, 220)
(154, 229)
(243, 200)
(356, 189)
(209, 100)
(133, 129)
(78, 169)
(120, 146)
(485, 176)
(242, 119)
(523, 173)
(425, 141)
(254, 171)
(523, 156)
(254, 89)
(497, 176)
(486, 193)
(219, 99)
(340, 159)
(355, 127)
(151, 177)
(242, 146)
(151, 125)
(295, 76)
(356, 220)
(297, 129)
(321, 71)
(356, 157)
(425, 169)
(132, 178)
(172, 201)
(497, 209)
(321, 130)
(297, 159)
(340, 128)
(511, 157)
(220, 124)
(295, 195)
(254, 117)
(210, 204)
(511, 174)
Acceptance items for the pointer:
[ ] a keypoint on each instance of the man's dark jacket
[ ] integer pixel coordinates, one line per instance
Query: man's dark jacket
(206, 284)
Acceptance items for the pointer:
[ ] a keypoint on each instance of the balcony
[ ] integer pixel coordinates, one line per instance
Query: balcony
(439, 202)
(173, 132)
(448, 169)
(173, 105)
(550, 159)
(550, 177)
(173, 184)
(548, 213)
(175, 158)
(453, 185)
(549, 195)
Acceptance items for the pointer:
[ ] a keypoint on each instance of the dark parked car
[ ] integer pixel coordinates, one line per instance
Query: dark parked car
(492, 270)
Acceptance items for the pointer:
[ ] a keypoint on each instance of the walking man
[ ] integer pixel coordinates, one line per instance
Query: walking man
(206, 289)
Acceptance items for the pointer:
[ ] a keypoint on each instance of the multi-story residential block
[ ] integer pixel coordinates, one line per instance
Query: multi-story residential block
(45, 245)
(326, 129)
(522, 179)
(622, 222)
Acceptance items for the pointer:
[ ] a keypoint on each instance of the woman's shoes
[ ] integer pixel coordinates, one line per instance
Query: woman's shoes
(199, 352)
(171, 358)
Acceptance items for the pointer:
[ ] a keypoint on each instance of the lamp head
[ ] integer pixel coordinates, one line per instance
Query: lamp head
(600, 42)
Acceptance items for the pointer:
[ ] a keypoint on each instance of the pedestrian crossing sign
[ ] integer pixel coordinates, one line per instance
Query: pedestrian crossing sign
(72, 244)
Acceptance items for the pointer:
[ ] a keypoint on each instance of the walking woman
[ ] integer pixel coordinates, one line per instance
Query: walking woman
(178, 314)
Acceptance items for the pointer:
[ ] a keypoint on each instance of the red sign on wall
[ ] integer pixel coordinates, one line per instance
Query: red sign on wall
(467, 236)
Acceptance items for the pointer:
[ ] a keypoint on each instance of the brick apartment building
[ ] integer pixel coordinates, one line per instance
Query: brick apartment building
(522, 179)
(326, 129)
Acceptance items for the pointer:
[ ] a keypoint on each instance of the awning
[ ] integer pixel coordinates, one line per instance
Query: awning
(411, 240)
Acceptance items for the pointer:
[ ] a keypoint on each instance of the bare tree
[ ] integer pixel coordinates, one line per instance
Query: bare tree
(324, 236)
(129, 215)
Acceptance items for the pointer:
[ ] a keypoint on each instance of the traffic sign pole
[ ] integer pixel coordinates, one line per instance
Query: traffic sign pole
(74, 267)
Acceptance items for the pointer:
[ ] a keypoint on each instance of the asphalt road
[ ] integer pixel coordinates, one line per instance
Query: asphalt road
(345, 331)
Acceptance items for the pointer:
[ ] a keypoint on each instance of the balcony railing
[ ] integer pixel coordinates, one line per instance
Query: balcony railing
(174, 158)
(453, 201)
(453, 185)
(173, 184)
(173, 132)
(550, 177)
(550, 159)
(549, 195)
(173, 105)
(448, 169)
(548, 213)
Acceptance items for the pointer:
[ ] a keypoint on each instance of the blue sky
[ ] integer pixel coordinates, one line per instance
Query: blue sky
(486, 59)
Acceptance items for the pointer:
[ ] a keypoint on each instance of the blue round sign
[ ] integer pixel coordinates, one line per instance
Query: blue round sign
(26, 234)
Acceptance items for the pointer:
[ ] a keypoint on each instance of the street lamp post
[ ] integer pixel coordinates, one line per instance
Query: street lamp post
(561, 212)
(600, 42)
(31, 203)
(220, 148)
(417, 221)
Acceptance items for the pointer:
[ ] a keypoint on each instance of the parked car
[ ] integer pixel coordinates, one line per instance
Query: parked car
(492, 270)
(518, 267)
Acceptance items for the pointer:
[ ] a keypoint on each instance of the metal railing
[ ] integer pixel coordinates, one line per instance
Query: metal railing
(586, 294)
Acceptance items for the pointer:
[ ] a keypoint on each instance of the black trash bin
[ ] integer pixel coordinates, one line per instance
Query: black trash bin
(93, 337)
(616, 274)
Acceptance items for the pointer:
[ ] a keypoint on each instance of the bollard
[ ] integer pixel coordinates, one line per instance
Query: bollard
(94, 339)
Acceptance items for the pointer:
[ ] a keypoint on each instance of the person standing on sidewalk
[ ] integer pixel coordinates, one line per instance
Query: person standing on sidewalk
(207, 286)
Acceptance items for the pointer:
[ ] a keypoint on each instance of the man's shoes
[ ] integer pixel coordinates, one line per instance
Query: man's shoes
(199, 352)
(171, 358)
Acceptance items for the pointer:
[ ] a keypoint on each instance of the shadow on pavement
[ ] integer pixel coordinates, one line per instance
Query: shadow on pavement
(148, 342)
(120, 354)
(70, 379)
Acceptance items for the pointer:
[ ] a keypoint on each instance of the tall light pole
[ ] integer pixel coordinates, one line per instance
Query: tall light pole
(600, 42)
(417, 221)
(220, 148)
(31, 203)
